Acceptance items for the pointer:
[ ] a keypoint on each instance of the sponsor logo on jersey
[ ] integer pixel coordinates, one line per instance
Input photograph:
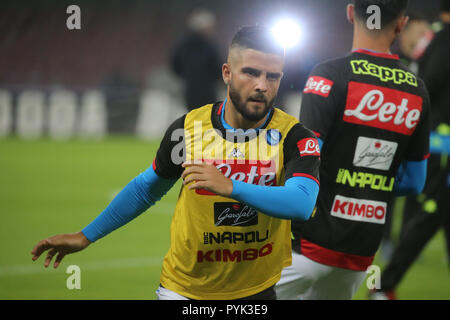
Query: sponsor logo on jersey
(365, 179)
(374, 153)
(234, 237)
(318, 85)
(308, 147)
(273, 137)
(234, 214)
(359, 209)
(257, 172)
(226, 255)
(382, 108)
(385, 74)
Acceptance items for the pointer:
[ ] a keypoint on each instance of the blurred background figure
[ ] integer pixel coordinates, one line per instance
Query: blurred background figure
(430, 211)
(412, 43)
(414, 40)
(196, 60)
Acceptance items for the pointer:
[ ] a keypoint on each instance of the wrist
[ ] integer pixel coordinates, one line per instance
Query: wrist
(230, 188)
(84, 240)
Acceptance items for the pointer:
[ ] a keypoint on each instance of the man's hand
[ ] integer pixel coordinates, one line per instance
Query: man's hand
(60, 244)
(206, 176)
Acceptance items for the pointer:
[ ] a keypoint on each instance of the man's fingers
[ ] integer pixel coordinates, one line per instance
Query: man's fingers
(49, 257)
(191, 170)
(42, 246)
(199, 185)
(193, 177)
(58, 259)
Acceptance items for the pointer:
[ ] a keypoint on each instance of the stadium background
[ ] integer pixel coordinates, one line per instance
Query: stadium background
(82, 112)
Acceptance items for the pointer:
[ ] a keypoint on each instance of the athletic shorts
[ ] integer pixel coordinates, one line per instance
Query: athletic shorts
(306, 279)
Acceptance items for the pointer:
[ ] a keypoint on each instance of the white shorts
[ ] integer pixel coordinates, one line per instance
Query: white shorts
(306, 279)
(166, 294)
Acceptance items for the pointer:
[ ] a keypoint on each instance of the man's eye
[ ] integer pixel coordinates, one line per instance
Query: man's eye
(273, 76)
(253, 73)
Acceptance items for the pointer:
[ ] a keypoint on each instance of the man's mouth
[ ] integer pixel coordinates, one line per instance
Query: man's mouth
(257, 100)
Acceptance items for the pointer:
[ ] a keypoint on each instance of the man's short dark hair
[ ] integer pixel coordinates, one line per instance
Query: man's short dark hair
(258, 38)
(390, 10)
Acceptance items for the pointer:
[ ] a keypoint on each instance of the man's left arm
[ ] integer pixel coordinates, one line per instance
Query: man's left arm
(295, 200)
(412, 172)
(411, 177)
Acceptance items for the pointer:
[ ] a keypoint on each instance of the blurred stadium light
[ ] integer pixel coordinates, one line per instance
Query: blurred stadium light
(287, 33)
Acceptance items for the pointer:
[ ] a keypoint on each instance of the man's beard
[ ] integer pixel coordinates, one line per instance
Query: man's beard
(241, 105)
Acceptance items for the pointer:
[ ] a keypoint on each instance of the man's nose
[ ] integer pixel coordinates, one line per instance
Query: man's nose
(261, 84)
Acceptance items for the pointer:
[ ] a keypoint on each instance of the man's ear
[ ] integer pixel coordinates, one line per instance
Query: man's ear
(351, 13)
(401, 23)
(226, 73)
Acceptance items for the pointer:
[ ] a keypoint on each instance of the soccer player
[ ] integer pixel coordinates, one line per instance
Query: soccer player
(371, 115)
(230, 232)
(429, 211)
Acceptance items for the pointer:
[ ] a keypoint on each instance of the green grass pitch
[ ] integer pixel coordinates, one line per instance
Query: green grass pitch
(50, 187)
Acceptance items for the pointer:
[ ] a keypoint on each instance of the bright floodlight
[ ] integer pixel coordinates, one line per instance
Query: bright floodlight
(287, 33)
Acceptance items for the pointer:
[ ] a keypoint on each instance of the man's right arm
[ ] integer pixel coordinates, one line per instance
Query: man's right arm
(144, 190)
(141, 193)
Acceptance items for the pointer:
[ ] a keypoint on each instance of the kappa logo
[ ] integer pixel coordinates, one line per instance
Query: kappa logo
(318, 85)
(385, 74)
(374, 153)
(382, 108)
(236, 153)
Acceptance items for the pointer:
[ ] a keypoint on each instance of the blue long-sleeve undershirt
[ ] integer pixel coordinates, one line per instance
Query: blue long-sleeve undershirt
(140, 194)
(295, 200)
(411, 177)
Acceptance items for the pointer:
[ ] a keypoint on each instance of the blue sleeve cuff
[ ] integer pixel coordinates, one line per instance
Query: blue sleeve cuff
(411, 177)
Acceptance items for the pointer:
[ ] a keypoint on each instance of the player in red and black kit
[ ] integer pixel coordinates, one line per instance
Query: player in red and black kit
(371, 115)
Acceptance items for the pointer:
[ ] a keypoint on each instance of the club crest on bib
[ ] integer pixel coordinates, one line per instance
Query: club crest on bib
(273, 137)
